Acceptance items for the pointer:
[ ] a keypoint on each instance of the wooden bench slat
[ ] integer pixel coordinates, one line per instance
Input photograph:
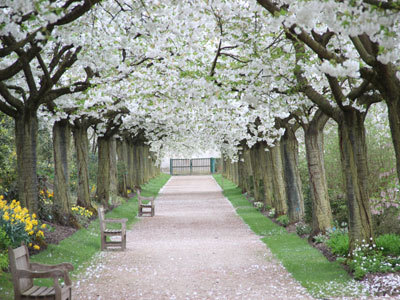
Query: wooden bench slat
(113, 231)
(39, 291)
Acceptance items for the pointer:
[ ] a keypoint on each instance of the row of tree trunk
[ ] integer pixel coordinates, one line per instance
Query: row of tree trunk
(271, 175)
(122, 166)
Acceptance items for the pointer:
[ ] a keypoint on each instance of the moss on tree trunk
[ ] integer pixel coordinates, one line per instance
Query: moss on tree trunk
(353, 153)
(103, 174)
(278, 181)
(81, 142)
(61, 146)
(295, 201)
(26, 130)
(314, 141)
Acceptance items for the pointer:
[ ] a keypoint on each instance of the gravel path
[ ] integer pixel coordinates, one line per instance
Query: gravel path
(196, 247)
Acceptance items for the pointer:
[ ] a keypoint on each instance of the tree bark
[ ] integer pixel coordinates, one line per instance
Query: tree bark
(61, 146)
(279, 189)
(394, 123)
(131, 165)
(353, 153)
(103, 174)
(257, 173)
(295, 201)
(235, 173)
(122, 168)
(314, 141)
(82, 156)
(26, 130)
(267, 174)
(243, 175)
(113, 170)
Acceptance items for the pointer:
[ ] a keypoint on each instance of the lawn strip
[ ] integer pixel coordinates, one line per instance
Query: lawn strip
(306, 264)
(80, 247)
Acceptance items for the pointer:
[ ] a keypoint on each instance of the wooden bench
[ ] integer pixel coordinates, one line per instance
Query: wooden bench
(23, 272)
(146, 205)
(106, 233)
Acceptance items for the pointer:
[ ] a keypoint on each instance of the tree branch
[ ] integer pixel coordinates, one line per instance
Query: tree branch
(307, 89)
(57, 56)
(76, 12)
(214, 64)
(384, 4)
(358, 91)
(17, 66)
(8, 110)
(365, 56)
(10, 99)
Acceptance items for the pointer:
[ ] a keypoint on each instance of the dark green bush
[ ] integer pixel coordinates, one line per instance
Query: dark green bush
(4, 240)
(303, 229)
(370, 259)
(389, 244)
(338, 242)
(283, 220)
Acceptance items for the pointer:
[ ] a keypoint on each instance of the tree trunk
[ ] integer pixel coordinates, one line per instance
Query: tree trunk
(267, 175)
(136, 162)
(82, 157)
(258, 183)
(295, 201)
(113, 170)
(278, 182)
(353, 151)
(103, 174)
(394, 122)
(243, 176)
(314, 140)
(26, 129)
(235, 173)
(131, 165)
(147, 162)
(122, 168)
(61, 146)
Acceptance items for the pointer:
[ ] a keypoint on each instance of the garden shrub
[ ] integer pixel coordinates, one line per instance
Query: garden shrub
(368, 258)
(338, 242)
(389, 244)
(303, 229)
(82, 215)
(19, 225)
(46, 205)
(5, 242)
(283, 220)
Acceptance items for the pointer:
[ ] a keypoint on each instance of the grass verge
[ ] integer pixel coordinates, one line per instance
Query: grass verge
(80, 247)
(306, 264)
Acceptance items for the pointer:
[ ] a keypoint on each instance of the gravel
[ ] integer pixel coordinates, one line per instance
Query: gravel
(195, 247)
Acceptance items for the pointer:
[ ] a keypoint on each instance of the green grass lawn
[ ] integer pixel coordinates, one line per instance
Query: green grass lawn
(80, 247)
(306, 264)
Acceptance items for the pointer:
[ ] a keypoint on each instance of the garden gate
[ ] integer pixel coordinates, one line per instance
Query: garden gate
(194, 166)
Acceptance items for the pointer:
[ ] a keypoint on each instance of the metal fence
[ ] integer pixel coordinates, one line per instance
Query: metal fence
(194, 166)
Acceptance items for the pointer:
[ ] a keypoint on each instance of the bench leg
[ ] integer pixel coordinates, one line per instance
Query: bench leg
(123, 242)
(103, 242)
